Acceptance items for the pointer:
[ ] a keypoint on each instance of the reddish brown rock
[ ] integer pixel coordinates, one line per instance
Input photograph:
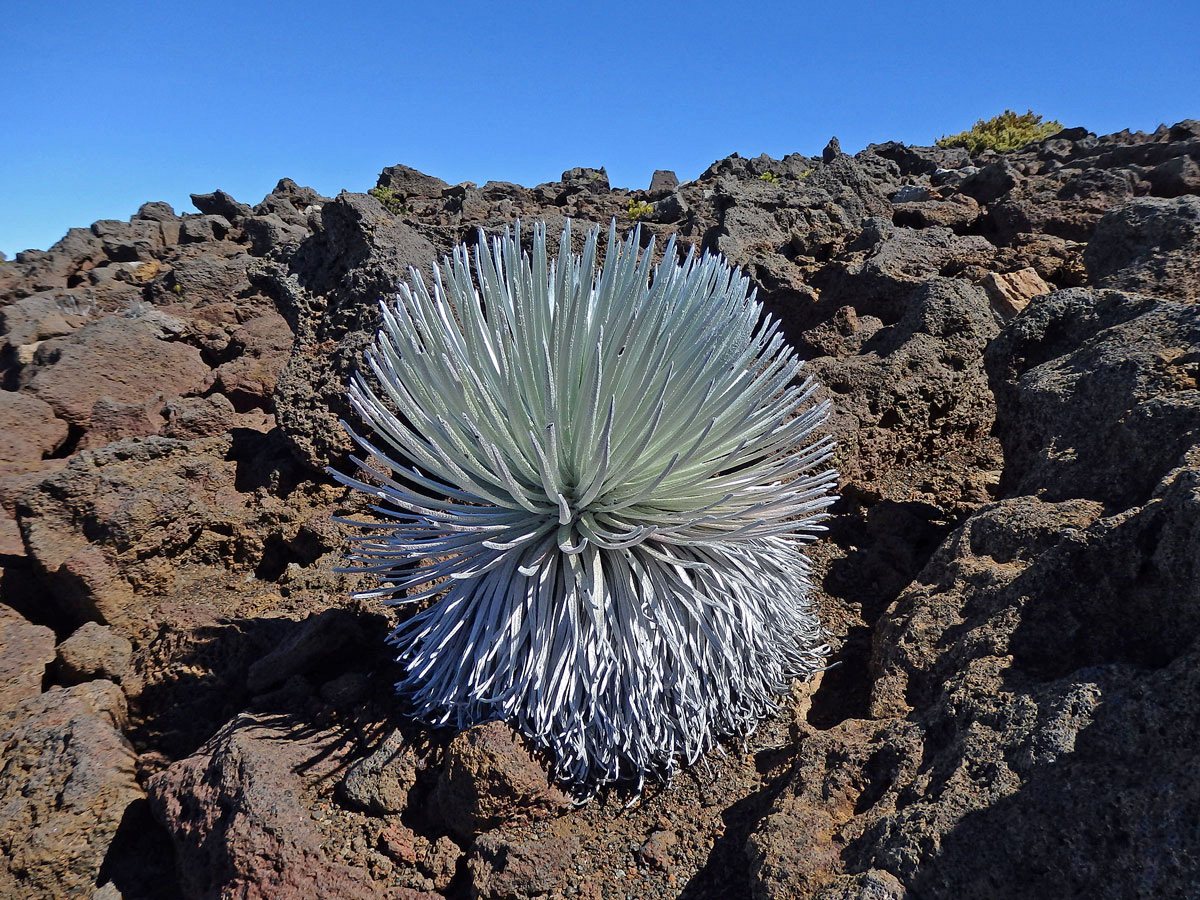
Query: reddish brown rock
(112, 420)
(94, 651)
(491, 778)
(25, 651)
(237, 814)
(133, 513)
(189, 418)
(114, 358)
(66, 779)
(503, 868)
(29, 431)
(264, 345)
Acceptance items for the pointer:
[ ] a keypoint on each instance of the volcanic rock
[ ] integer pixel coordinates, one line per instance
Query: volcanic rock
(65, 783)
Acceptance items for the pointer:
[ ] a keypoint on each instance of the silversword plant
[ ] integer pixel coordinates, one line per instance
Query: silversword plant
(598, 484)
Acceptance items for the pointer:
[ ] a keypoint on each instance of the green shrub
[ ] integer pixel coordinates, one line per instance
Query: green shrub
(1007, 131)
(639, 208)
(770, 177)
(392, 202)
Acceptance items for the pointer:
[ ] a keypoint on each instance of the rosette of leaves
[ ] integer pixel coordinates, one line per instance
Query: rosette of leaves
(594, 484)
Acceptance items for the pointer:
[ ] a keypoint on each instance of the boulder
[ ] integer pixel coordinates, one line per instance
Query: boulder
(29, 431)
(1151, 245)
(25, 651)
(405, 182)
(262, 347)
(222, 205)
(237, 812)
(1089, 381)
(510, 868)
(67, 779)
(379, 783)
(329, 292)
(662, 182)
(111, 358)
(137, 512)
(93, 651)
(490, 777)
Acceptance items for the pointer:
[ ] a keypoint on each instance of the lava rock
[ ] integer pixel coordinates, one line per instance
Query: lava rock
(29, 431)
(236, 812)
(490, 777)
(94, 651)
(1151, 245)
(67, 779)
(221, 205)
(379, 783)
(25, 651)
(115, 358)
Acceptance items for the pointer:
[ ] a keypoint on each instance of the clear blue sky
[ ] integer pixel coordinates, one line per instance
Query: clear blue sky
(110, 105)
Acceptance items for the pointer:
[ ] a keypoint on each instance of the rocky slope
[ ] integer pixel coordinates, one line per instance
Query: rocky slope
(191, 707)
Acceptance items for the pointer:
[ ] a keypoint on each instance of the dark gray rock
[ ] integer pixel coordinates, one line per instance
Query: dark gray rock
(1175, 177)
(219, 203)
(662, 182)
(289, 201)
(329, 291)
(207, 227)
(584, 178)
(379, 784)
(921, 160)
(406, 182)
(992, 182)
(1098, 392)
(671, 208)
(268, 232)
(156, 211)
(1151, 245)
(886, 263)
(316, 638)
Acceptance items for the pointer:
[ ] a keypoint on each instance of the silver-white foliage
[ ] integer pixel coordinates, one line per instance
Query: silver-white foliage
(602, 484)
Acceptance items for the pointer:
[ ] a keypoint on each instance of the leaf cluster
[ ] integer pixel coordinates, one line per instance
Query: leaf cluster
(1007, 131)
(639, 208)
(392, 202)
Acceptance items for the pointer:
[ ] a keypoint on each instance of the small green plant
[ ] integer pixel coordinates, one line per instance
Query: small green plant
(769, 177)
(807, 172)
(639, 208)
(392, 202)
(1007, 131)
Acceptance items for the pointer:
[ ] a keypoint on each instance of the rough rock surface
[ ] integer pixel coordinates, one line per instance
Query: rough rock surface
(328, 292)
(1009, 581)
(66, 780)
(269, 846)
(29, 431)
(94, 651)
(112, 359)
(490, 777)
(25, 651)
